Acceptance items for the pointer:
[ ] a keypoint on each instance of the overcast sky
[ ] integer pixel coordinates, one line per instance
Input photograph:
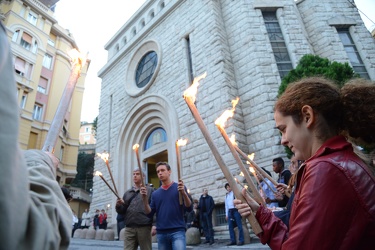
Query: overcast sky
(99, 21)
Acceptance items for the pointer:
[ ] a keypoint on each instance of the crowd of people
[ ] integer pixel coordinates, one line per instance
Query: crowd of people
(329, 189)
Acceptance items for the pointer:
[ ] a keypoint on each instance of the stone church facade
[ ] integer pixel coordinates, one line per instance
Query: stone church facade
(246, 47)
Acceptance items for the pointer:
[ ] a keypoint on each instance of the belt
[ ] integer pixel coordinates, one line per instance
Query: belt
(232, 209)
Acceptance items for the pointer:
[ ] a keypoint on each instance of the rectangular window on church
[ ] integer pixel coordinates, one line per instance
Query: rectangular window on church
(352, 52)
(279, 48)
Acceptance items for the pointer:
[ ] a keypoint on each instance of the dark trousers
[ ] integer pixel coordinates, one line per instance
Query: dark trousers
(120, 225)
(235, 219)
(75, 226)
(206, 221)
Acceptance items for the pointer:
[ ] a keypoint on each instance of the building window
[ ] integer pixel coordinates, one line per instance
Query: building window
(20, 66)
(190, 60)
(352, 52)
(134, 31)
(23, 100)
(38, 111)
(125, 40)
(43, 85)
(146, 69)
(61, 153)
(23, 68)
(26, 41)
(47, 61)
(32, 18)
(279, 48)
(65, 131)
(87, 130)
(35, 47)
(15, 36)
(220, 215)
(86, 137)
(143, 68)
(158, 135)
(41, 89)
(152, 14)
(162, 5)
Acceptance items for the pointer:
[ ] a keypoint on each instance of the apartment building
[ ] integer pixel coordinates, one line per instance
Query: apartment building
(42, 68)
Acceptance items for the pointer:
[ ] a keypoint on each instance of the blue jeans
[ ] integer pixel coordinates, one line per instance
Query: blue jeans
(171, 241)
(235, 215)
(207, 226)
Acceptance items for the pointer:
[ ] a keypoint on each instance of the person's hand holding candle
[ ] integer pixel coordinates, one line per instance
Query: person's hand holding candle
(245, 208)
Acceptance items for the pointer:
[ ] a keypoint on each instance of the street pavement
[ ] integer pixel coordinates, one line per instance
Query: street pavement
(86, 244)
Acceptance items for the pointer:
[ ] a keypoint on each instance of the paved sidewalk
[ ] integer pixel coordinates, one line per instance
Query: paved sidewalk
(84, 244)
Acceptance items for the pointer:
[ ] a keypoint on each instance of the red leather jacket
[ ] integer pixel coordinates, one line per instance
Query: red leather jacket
(333, 207)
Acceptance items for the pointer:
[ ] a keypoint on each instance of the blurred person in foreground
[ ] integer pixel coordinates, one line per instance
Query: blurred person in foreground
(334, 205)
(35, 214)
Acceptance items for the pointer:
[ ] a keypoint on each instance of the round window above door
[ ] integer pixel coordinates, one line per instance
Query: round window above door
(143, 68)
(146, 69)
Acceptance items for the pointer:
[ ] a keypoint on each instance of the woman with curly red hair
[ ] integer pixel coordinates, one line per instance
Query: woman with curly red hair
(334, 203)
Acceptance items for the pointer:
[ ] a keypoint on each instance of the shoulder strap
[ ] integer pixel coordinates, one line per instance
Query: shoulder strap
(131, 198)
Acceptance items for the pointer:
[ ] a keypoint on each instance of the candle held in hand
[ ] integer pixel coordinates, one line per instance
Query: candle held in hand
(105, 157)
(136, 148)
(180, 142)
(189, 97)
(97, 173)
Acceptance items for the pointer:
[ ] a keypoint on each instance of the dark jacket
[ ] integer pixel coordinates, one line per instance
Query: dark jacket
(134, 211)
(284, 177)
(206, 204)
(333, 207)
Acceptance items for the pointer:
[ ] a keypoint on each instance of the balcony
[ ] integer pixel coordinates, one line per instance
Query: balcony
(80, 194)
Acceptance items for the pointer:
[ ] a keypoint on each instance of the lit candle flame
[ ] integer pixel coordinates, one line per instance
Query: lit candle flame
(241, 174)
(104, 156)
(181, 142)
(135, 146)
(77, 57)
(233, 139)
(236, 180)
(251, 156)
(227, 114)
(252, 170)
(246, 186)
(193, 89)
(98, 173)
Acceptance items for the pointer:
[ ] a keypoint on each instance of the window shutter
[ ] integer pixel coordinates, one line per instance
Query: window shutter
(19, 65)
(27, 37)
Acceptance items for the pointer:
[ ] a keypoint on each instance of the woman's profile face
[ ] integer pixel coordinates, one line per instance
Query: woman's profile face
(297, 137)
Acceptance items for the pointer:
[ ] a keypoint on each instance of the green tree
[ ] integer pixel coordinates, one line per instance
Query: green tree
(312, 65)
(85, 168)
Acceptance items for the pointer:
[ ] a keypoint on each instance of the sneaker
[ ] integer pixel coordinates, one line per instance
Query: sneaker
(231, 244)
(239, 243)
(206, 242)
(212, 242)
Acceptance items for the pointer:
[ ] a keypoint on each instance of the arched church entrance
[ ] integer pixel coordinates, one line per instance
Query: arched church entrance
(157, 136)
(153, 124)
